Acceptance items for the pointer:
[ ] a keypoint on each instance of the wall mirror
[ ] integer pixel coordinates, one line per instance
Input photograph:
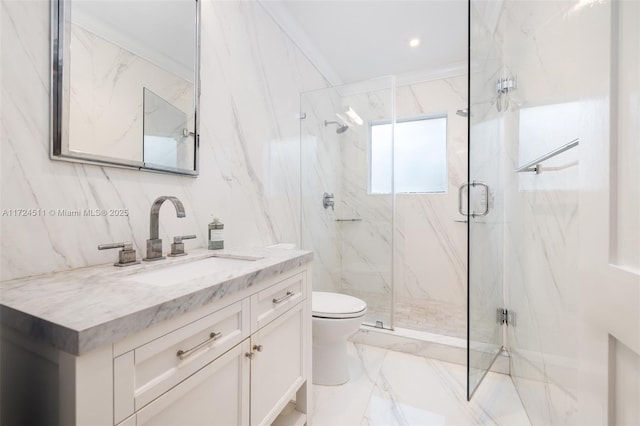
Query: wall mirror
(125, 83)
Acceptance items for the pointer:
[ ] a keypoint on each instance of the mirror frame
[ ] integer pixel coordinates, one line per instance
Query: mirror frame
(60, 35)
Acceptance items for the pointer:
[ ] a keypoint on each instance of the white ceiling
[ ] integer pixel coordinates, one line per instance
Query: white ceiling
(356, 40)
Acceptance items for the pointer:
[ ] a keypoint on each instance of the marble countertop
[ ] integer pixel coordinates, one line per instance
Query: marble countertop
(81, 309)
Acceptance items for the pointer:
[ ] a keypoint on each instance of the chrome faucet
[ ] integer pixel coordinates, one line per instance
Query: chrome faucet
(154, 244)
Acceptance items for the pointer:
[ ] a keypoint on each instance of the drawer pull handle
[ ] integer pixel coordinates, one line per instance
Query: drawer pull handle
(283, 298)
(212, 337)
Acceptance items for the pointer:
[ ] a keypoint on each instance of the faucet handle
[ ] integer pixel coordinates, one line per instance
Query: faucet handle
(177, 247)
(126, 256)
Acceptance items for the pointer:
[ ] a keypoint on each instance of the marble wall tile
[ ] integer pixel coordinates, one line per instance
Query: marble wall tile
(365, 245)
(320, 157)
(252, 74)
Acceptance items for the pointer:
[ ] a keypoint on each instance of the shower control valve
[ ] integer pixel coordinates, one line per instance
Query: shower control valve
(327, 201)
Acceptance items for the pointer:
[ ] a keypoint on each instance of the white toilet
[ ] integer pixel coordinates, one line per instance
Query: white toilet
(335, 317)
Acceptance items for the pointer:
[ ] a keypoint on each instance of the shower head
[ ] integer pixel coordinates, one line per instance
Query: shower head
(341, 127)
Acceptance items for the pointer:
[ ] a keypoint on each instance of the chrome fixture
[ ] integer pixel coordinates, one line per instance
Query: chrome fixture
(126, 256)
(287, 296)
(534, 166)
(177, 247)
(463, 112)
(341, 127)
(473, 184)
(154, 243)
(327, 201)
(503, 87)
(213, 336)
(506, 317)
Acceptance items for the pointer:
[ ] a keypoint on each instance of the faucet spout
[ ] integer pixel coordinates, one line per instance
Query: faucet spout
(154, 222)
(154, 243)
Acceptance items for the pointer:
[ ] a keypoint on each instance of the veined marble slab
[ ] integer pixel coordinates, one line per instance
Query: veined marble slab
(81, 309)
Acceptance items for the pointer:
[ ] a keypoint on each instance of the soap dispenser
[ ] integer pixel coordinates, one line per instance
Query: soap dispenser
(216, 242)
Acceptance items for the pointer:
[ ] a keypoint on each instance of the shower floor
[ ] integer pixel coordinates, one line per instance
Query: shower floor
(428, 315)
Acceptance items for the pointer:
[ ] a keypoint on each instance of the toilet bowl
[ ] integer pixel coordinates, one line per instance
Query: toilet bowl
(335, 317)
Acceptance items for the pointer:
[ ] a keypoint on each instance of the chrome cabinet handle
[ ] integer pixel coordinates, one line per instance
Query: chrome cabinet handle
(212, 338)
(283, 298)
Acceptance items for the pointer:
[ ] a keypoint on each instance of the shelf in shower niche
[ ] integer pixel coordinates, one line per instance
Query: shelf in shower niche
(534, 166)
(348, 220)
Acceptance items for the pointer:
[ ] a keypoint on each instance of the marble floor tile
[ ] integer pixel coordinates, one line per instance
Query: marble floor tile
(404, 389)
(346, 404)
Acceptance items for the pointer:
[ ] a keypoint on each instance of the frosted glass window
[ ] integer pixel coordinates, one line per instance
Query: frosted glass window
(420, 156)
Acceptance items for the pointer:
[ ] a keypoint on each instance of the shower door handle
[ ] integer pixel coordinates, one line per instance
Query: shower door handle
(486, 198)
(473, 184)
(466, 184)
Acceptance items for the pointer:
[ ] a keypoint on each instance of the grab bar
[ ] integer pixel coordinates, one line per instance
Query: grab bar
(348, 220)
(534, 166)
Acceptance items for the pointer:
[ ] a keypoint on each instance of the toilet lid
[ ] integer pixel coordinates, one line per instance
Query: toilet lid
(336, 305)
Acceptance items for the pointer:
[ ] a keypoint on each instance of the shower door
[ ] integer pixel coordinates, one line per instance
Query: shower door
(484, 197)
(347, 222)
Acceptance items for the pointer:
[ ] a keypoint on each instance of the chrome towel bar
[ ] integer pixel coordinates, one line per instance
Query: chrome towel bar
(534, 166)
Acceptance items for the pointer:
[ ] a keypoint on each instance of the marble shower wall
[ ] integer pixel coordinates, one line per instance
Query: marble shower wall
(430, 259)
(365, 245)
(252, 74)
(321, 172)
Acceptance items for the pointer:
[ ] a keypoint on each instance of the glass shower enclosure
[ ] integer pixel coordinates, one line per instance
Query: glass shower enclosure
(485, 211)
(347, 225)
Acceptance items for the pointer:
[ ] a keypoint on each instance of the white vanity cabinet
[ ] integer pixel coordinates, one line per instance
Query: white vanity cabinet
(239, 360)
(241, 364)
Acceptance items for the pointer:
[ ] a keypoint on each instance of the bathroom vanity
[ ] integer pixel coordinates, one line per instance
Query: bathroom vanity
(198, 340)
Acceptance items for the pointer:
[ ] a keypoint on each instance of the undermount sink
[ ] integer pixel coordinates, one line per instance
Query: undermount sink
(191, 270)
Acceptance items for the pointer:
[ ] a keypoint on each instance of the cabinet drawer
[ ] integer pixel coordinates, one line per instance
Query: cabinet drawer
(143, 374)
(273, 301)
(218, 394)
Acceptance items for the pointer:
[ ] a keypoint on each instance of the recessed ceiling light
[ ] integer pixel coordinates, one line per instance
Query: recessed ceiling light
(414, 42)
